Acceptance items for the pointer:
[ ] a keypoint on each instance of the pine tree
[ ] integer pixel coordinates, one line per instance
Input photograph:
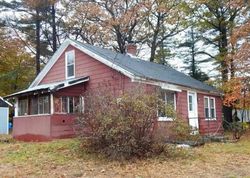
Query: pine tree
(190, 55)
(31, 26)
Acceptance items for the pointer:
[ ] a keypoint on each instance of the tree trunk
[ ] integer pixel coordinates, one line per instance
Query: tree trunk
(193, 54)
(38, 42)
(227, 111)
(153, 50)
(223, 53)
(54, 35)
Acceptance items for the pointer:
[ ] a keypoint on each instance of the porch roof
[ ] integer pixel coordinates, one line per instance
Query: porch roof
(50, 87)
(4, 103)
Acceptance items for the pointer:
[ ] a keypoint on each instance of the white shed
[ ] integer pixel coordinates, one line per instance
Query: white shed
(4, 116)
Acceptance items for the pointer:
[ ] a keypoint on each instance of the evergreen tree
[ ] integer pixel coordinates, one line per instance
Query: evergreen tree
(31, 26)
(191, 54)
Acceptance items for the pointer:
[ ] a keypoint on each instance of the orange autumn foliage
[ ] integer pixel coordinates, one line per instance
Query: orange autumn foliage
(237, 89)
(237, 93)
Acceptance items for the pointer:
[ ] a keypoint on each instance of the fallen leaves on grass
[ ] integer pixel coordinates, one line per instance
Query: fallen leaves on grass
(61, 158)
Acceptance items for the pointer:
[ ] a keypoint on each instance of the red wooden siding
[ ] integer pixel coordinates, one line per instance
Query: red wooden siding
(62, 125)
(86, 66)
(75, 90)
(32, 128)
(210, 126)
(205, 126)
(181, 104)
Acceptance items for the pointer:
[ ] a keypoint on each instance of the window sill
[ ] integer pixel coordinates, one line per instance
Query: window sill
(65, 113)
(165, 119)
(71, 77)
(210, 119)
(34, 115)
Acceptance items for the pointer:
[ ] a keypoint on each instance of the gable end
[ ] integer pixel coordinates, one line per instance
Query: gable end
(60, 51)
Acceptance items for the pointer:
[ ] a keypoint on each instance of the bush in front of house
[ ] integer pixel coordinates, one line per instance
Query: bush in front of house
(119, 128)
(181, 131)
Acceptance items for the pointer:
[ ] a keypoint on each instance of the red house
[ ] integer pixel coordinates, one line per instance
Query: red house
(46, 110)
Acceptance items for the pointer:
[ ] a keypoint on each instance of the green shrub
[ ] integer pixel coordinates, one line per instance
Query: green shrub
(119, 128)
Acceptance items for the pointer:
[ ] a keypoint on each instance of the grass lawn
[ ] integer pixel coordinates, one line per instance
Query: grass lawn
(60, 158)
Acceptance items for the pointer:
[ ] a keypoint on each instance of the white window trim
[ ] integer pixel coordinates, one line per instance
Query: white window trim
(66, 64)
(33, 115)
(168, 118)
(82, 104)
(209, 108)
(16, 107)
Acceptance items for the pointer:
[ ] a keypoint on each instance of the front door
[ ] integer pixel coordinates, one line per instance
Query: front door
(193, 110)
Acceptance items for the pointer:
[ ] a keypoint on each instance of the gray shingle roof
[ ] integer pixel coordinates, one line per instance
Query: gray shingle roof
(148, 69)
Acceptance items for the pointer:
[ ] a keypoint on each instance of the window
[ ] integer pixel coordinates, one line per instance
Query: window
(34, 106)
(168, 97)
(212, 107)
(22, 107)
(206, 105)
(72, 104)
(70, 64)
(64, 104)
(78, 104)
(190, 103)
(43, 105)
(209, 106)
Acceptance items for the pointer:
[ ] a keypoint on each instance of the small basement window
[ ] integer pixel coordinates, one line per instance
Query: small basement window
(70, 64)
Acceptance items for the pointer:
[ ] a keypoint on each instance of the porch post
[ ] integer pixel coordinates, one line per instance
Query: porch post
(16, 107)
(51, 104)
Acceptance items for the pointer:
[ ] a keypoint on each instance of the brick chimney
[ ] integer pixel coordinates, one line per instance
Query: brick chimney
(131, 48)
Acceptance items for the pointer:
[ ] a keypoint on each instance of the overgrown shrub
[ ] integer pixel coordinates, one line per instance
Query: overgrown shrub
(120, 127)
(181, 131)
(237, 128)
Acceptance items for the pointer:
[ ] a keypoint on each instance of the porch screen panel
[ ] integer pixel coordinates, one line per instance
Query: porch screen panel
(34, 106)
(64, 104)
(43, 105)
(22, 107)
(71, 105)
